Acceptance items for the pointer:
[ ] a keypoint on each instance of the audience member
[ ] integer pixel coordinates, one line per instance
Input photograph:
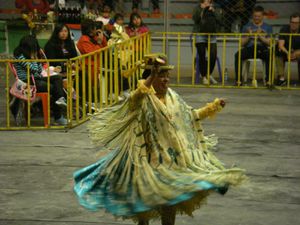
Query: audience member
(136, 25)
(106, 17)
(282, 51)
(118, 33)
(29, 48)
(42, 6)
(155, 4)
(92, 39)
(262, 30)
(60, 46)
(117, 36)
(206, 21)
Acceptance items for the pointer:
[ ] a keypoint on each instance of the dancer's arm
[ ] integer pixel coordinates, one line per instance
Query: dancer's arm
(211, 109)
(144, 87)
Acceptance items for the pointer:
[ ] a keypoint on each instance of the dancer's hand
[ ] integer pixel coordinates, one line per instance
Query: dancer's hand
(222, 102)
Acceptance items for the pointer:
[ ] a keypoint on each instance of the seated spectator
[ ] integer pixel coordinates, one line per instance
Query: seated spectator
(155, 3)
(29, 48)
(282, 50)
(136, 25)
(91, 41)
(105, 17)
(263, 30)
(42, 6)
(91, 38)
(118, 34)
(206, 21)
(60, 46)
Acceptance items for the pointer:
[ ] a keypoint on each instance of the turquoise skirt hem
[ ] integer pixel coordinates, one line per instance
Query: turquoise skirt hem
(96, 191)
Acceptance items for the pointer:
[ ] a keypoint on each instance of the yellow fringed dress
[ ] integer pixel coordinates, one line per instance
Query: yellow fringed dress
(159, 156)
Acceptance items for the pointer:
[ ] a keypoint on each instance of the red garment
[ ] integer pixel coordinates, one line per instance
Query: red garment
(85, 46)
(42, 7)
(134, 32)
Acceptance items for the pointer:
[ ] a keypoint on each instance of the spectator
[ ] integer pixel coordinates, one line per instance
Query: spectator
(29, 48)
(92, 39)
(155, 3)
(117, 36)
(136, 25)
(118, 33)
(60, 46)
(263, 31)
(206, 21)
(106, 17)
(282, 51)
(42, 6)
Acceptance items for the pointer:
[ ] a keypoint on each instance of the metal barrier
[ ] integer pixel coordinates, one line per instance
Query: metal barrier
(92, 82)
(23, 108)
(171, 43)
(95, 81)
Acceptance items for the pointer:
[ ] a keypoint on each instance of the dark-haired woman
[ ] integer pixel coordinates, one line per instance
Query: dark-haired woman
(136, 25)
(60, 46)
(29, 48)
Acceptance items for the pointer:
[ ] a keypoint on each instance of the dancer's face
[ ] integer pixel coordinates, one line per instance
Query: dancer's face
(161, 82)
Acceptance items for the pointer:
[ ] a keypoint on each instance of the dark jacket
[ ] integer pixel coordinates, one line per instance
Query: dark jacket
(55, 51)
(197, 19)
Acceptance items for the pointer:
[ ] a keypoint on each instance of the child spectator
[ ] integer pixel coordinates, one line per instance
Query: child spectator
(118, 33)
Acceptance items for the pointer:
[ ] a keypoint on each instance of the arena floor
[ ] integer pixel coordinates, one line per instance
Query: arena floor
(259, 130)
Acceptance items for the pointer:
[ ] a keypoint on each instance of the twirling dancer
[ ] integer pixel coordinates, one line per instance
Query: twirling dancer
(159, 163)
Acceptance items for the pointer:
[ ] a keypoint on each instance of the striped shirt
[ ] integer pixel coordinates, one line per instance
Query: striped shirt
(21, 68)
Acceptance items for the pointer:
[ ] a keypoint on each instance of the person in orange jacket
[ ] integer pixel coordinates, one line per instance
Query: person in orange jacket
(92, 39)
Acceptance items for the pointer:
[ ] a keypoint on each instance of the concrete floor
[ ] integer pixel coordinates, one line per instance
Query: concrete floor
(259, 130)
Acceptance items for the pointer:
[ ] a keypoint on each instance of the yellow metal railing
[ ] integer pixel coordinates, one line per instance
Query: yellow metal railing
(187, 77)
(94, 81)
(23, 110)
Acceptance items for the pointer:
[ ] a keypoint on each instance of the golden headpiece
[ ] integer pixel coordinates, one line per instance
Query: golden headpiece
(156, 58)
(147, 63)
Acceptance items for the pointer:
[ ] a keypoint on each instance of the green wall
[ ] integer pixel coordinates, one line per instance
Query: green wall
(16, 30)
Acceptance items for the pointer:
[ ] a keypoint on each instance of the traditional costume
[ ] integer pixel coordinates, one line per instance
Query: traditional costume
(158, 156)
